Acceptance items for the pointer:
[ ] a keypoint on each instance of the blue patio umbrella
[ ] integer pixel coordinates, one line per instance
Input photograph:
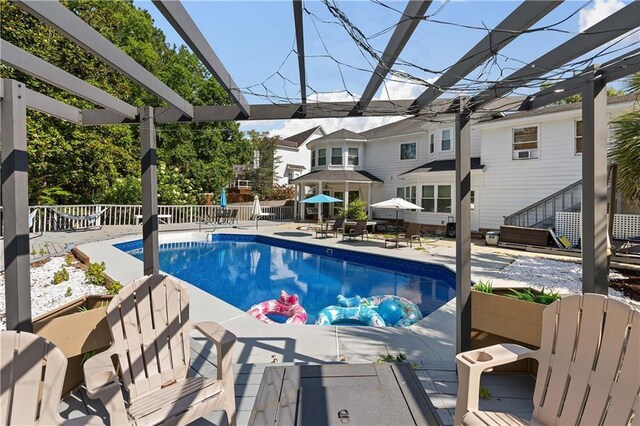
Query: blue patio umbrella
(223, 198)
(321, 199)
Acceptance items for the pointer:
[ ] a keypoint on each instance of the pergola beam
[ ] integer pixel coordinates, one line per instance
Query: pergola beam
(53, 107)
(611, 27)
(521, 19)
(613, 70)
(409, 21)
(181, 21)
(30, 64)
(64, 21)
(298, 21)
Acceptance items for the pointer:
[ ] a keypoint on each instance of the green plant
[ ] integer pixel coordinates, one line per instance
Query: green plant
(42, 252)
(95, 273)
(87, 355)
(114, 287)
(356, 210)
(33, 251)
(484, 393)
(82, 309)
(544, 297)
(69, 258)
(68, 293)
(60, 276)
(483, 286)
(399, 359)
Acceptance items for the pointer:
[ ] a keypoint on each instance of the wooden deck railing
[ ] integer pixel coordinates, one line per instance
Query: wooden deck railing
(47, 218)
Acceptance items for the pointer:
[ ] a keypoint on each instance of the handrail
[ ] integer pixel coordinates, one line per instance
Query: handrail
(521, 217)
(47, 218)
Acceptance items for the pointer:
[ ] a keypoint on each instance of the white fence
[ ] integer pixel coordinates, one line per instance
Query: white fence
(569, 224)
(53, 218)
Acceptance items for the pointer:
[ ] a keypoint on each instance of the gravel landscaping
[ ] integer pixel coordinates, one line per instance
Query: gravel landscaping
(45, 295)
(565, 277)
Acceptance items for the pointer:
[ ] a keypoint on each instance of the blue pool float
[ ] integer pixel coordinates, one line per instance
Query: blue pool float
(410, 312)
(359, 314)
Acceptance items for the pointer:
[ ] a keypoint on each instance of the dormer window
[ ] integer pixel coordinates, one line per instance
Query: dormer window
(353, 157)
(336, 156)
(322, 157)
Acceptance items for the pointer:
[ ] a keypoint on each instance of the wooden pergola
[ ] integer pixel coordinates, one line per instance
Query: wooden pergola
(591, 83)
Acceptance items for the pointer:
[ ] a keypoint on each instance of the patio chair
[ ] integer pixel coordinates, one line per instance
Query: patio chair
(149, 321)
(31, 381)
(587, 366)
(338, 227)
(412, 235)
(360, 230)
(233, 217)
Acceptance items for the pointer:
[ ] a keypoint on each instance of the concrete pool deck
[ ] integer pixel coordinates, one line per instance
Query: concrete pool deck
(432, 339)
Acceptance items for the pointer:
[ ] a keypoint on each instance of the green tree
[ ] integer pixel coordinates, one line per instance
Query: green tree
(264, 161)
(75, 164)
(625, 147)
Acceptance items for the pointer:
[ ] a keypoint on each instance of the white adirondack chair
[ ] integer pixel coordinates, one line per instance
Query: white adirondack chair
(150, 328)
(31, 381)
(588, 367)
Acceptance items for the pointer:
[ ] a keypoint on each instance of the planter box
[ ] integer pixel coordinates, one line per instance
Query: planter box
(499, 319)
(76, 331)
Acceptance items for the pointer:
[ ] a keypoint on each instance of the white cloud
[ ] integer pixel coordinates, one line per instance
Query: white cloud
(600, 10)
(396, 89)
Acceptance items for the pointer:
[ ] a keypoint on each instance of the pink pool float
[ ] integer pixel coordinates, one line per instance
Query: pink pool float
(288, 306)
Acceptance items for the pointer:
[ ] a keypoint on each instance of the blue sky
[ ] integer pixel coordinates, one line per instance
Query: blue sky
(255, 40)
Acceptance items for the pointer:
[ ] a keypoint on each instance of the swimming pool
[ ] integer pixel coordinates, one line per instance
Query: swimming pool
(247, 269)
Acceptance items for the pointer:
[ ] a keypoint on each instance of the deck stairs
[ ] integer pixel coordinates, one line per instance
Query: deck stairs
(542, 214)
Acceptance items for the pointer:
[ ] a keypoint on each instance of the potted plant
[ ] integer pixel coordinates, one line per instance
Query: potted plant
(508, 316)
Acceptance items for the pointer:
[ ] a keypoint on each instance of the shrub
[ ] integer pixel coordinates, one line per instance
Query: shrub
(114, 287)
(355, 211)
(69, 258)
(60, 276)
(69, 292)
(390, 358)
(95, 273)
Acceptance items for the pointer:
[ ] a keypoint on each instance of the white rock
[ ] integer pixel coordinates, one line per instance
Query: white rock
(45, 295)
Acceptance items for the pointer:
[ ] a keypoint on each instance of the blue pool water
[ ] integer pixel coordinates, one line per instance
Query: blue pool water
(247, 269)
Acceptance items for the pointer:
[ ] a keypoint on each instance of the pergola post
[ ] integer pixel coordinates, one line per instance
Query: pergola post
(463, 228)
(15, 205)
(149, 191)
(345, 196)
(594, 188)
(369, 199)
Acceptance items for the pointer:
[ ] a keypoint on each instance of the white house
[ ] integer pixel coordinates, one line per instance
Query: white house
(293, 155)
(517, 160)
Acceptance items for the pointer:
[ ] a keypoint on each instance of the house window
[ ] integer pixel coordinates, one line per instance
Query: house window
(410, 194)
(291, 176)
(313, 158)
(408, 151)
(353, 157)
(525, 143)
(444, 199)
(578, 137)
(322, 157)
(432, 143)
(473, 200)
(445, 141)
(428, 198)
(400, 192)
(336, 156)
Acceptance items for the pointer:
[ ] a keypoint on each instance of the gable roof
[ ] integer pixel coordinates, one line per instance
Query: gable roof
(444, 166)
(295, 141)
(403, 127)
(341, 134)
(560, 108)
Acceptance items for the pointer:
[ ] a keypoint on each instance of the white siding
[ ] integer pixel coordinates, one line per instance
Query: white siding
(300, 156)
(511, 185)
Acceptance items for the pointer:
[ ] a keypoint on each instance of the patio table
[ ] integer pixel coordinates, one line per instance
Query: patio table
(338, 394)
